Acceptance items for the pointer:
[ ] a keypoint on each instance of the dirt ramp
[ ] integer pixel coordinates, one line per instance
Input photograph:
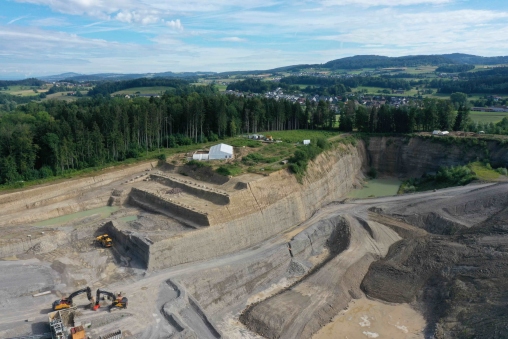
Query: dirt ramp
(303, 309)
(448, 215)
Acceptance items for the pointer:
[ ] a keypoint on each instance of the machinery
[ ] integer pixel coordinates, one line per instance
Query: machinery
(118, 301)
(67, 302)
(104, 240)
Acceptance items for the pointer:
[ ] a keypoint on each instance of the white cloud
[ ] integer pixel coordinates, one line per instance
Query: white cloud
(233, 39)
(17, 19)
(383, 3)
(175, 24)
(50, 22)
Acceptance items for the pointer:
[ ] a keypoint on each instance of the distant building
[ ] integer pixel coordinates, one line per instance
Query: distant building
(306, 142)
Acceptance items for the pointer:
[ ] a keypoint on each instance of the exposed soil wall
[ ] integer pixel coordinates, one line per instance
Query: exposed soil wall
(173, 209)
(207, 193)
(132, 243)
(267, 207)
(56, 199)
(412, 157)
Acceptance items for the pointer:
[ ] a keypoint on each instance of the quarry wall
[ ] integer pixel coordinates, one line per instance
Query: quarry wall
(407, 157)
(267, 207)
(56, 199)
(207, 193)
(172, 208)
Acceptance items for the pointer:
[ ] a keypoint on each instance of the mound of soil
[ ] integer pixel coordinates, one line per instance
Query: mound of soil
(459, 281)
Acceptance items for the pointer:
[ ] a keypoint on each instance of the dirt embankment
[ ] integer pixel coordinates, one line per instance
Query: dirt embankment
(457, 277)
(303, 309)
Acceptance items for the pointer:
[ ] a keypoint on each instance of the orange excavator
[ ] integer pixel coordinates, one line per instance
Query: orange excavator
(67, 302)
(118, 301)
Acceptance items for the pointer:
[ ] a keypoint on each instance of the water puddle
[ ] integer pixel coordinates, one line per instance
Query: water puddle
(377, 188)
(129, 218)
(104, 212)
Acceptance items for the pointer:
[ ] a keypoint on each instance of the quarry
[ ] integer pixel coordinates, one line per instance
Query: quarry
(200, 255)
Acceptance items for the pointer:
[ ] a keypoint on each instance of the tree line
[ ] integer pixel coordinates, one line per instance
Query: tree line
(42, 139)
(429, 115)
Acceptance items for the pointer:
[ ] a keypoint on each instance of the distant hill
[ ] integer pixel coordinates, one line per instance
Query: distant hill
(25, 82)
(118, 77)
(58, 77)
(376, 61)
(348, 63)
(476, 60)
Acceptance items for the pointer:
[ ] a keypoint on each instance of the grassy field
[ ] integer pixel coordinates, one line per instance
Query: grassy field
(24, 90)
(488, 117)
(300, 135)
(484, 173)
(374, 90)
(62, 96)
(145, 90)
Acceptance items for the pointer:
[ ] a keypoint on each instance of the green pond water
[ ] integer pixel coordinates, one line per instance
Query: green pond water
(377, 188)
(105, 212)
(129, 218)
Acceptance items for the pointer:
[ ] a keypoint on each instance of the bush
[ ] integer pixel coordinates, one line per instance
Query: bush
(228, 170)
(198, 164)
(372, 173)
(502, 171)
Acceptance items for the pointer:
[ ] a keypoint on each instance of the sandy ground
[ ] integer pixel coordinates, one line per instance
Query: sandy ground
(365, 318)
(65, 269)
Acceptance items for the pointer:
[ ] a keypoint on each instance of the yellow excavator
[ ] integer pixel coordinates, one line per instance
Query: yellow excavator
(64, 303)
(118, 301)
(104, 240)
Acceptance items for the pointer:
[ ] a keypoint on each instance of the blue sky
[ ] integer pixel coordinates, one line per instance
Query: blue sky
(42, 37)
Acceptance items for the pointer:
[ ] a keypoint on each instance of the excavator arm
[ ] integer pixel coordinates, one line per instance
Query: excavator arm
(67, 302)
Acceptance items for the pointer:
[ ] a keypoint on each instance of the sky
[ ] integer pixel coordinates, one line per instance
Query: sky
(45, 37)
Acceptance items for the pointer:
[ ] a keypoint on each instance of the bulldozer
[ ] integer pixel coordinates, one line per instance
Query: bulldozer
(64, 303)
(118, 301)
(104, 240)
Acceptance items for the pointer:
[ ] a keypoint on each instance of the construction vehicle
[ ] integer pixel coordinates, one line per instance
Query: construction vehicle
(104, 240)
(78, 332)
(118, 301)
(64, 303)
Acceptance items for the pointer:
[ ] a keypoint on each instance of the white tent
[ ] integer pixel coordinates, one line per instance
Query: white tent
(221, 151)
(306, 142)
(200, 156)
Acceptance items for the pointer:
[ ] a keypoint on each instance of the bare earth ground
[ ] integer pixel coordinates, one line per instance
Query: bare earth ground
(365, 318)
(338, 257)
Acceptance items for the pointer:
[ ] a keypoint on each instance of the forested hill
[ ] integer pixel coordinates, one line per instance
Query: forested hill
(376, 61)
(107, 88)
(25, 82)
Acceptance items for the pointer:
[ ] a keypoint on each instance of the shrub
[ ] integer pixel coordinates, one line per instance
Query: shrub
(502, 171)
(372, 173)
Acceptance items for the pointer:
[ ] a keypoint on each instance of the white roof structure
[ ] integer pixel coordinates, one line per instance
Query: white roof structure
(200, 156)
(306, 142)
(221, 151)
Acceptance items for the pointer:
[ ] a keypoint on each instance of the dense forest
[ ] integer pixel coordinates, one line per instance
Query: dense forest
(110, 87)
(376, 61)
(454, 68)
(25, 82)
(494, 81)
(43, 139)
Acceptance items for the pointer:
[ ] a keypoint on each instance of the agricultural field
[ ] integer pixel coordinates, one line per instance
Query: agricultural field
(145, 90)
(488, 117)
(62, 96)
(375, 90)
(24, 90)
